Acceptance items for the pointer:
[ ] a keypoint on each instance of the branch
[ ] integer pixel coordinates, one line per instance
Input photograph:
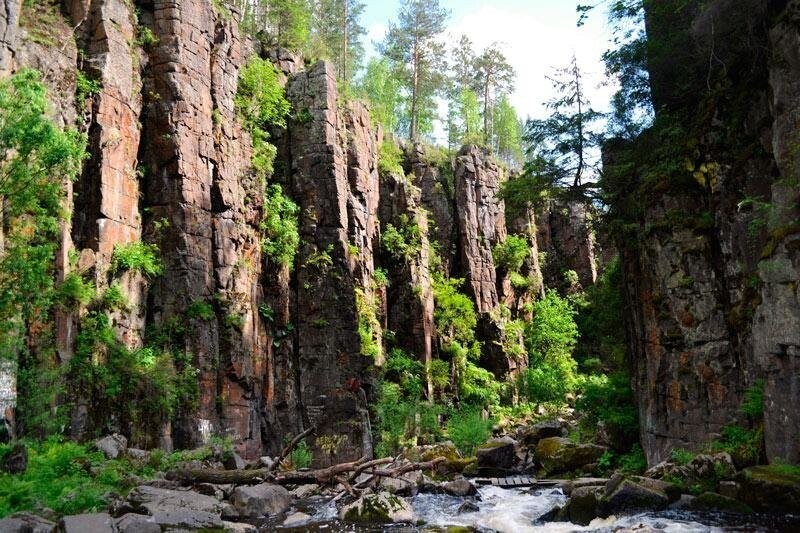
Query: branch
(292, 444)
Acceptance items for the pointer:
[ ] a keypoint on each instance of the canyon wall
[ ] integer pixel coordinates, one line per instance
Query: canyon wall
(711, 252)
(276, 349)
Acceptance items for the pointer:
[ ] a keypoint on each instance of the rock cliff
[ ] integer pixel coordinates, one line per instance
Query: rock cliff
(276, 348)
(710, 252)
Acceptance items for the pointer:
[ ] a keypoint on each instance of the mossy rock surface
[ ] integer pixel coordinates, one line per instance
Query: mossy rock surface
(711, 501)
(771, 489)
(381, 508)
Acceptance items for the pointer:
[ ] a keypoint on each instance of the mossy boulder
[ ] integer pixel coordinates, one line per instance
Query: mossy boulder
(629, 497)
(558, 455)
(380, 508)
(531, 435)
(770, 489)
(497, 454)
(711, 501)
(454, 462)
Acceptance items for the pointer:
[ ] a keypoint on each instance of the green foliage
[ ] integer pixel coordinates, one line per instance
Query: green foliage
(544, 383)
(599, 320)
(380, 278)
(137, 257)
(280, 226)
(633, 462)
(454, 313)
(753, 403)
(404, 241)
(145, 37)
(439, 374)
(114, 298)
(369, 327)
(468, 109)
(336, 35)
(140, 388)
(682, 457)
(468, 429)
(290, 22)
(84, 88)
(552, 332)
(200, 309)
(511, 254)
(401, 418)
(74, 291)
(36, 160)
(507, 132)
(381, 88)
(390, 158)
(261, 105)
(744, 445)
(301, 456)
(609, 399)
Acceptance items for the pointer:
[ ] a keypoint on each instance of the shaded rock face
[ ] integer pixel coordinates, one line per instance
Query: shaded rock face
(564, 235)
(711, 281)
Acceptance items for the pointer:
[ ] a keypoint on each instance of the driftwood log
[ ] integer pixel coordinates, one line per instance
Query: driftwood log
(335, 474)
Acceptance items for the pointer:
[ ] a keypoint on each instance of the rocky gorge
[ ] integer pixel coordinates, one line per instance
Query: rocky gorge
(277, 416)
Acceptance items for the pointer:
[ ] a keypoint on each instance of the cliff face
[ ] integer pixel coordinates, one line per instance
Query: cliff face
(280, 349)
(711, 275)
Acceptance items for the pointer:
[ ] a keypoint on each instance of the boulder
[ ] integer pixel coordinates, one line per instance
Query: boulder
(137, 454)
(531, 435)
(176, 508)
(112, 446)
(629, 497)
(711, 501)
(137, 523)
(497, 454)
(704, 469)
(260, 500)
(454, 463)
(459, 487)
(296, 519)
(26, 523)
(82, 523)
(468, 507)
(770, 489)
(405, 485)
(380, 508)
(559, 455)
(582, 507)
(672, 491)
(234, 461)
(304, 491)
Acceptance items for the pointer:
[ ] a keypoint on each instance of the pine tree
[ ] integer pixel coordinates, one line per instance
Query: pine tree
(568, 136)
(412, 45)
(496, 77)
(336, 34)
(507, 132)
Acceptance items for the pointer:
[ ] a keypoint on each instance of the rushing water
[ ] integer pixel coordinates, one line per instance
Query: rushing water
(518, 511)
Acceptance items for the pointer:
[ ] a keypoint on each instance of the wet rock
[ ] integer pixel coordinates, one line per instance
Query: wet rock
(82, 523)
(704, 469)
(296, 519)
(454, 463)
(405, 485)
(137, 523)
(266, 462)
(468, 507)
(380, 508)
(582, 507)
(770, 489)
(260, 500)
(531, 435)
(497, 453)
(567, 486)
(112, 446)
(628, 497)
(559, 455)
(729, 488)
(711, 501)
(459, 487)
(672, 491)
(304, 491)
(26, 523)
(15, 460)
(239, 527)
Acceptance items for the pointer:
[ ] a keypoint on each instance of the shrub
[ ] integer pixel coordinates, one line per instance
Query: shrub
(301, 456)
(281, 237)
(200, 309)
(545, 384)
(744, 445)
(609, 399)
(114, 299)
(454, 313)
(552, 333)
(380, 278)
(439, 373)
(369, 326)
(261, 104)
(633, 462)
(753, 403)
(511, 254)
(403, 241)
(681, 457)
(137, 257)
(390, 159)
(468, 429)
(74, 291)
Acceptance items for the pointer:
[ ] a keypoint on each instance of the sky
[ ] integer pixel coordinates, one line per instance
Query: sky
(535, 35)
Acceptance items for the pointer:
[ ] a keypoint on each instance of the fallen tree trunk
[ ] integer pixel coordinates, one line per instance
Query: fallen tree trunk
(322, 476)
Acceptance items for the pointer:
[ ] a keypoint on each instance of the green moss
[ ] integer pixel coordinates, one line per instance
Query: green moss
(776, 237)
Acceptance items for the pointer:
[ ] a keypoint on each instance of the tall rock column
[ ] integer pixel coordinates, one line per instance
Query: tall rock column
(334, 180)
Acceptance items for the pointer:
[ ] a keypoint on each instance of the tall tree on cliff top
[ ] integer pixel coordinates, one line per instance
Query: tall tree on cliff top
(496, 78)
(569, 138)
(507, 132)
(412, 44)
(336, 34)
(381, 89)
(287, 23)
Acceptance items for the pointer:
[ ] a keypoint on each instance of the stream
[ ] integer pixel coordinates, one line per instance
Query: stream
(518, 511)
